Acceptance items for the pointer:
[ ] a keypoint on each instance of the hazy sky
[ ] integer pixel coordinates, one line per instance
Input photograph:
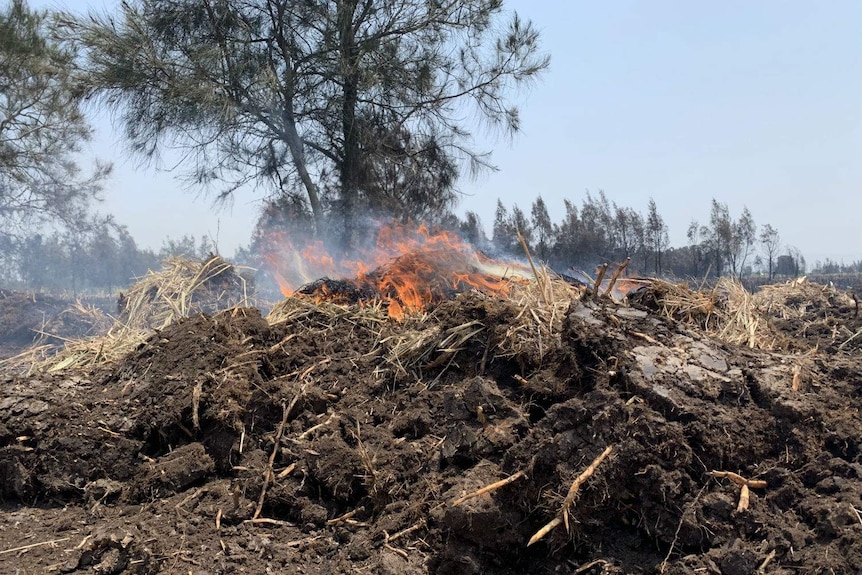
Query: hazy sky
(756, 104)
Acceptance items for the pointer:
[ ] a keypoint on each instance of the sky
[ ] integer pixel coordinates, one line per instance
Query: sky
(755, 104)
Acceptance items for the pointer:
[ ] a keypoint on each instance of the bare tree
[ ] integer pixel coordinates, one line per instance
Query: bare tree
(771, 242)
(743, 236)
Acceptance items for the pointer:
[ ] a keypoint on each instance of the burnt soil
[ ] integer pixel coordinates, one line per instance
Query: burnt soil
(225, 445)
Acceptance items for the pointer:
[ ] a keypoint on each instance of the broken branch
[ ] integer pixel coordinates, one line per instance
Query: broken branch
(489, 488)
(563, 515)
(738, 479)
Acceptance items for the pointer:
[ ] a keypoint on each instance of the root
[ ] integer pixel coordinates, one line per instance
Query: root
(563, 515)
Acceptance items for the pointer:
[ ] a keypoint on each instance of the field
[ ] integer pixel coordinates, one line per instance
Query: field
(552, 429)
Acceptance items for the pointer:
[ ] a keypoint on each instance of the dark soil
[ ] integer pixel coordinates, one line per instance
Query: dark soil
(228, 445)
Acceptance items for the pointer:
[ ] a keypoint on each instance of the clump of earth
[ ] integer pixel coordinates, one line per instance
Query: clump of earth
(330, 439)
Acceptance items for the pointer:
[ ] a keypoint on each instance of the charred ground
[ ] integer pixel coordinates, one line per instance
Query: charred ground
(329, 439)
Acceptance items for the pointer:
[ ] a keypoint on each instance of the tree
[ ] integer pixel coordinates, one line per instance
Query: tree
(344, 100)
(543, 229)
(519, 224)
(596, 224)
(42, 126)
(628, 227)
(568, 236)
(743, 235)
(697, 248)
(657, 236)
(503, 235)
(771, 242)
(471, 230)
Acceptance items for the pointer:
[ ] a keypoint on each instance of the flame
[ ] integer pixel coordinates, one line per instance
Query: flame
(408, 268)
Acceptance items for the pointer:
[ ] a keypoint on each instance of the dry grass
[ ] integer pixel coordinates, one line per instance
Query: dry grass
(182, 288)
(727, 312)
(542, 307)
(796, 299)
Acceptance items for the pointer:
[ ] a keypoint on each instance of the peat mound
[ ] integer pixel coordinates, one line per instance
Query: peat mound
(332, 439)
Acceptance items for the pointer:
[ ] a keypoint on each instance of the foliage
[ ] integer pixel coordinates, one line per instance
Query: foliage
(347, 106)
(42, 127)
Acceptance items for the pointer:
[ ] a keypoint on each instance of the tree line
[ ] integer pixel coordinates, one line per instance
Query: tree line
(100, 258)
(599, 231)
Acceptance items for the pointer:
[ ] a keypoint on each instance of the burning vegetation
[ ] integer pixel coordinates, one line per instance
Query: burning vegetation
(408, 269)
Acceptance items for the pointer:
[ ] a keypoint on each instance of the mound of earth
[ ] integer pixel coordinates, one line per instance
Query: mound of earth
(334, 440)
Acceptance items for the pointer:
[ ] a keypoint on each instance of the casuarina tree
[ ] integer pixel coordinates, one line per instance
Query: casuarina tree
(320, 99)
(42, 128)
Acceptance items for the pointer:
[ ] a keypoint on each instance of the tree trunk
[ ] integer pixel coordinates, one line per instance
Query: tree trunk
(297, 154)
(350, 161)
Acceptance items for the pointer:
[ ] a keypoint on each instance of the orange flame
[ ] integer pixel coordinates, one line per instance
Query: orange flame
(409, 268)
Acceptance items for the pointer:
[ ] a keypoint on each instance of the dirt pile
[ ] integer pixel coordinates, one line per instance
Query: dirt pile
(332, 439)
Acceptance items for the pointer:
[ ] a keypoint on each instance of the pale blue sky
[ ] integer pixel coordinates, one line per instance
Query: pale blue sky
(757, 104)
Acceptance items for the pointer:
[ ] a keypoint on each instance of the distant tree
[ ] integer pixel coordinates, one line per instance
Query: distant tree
(743, 236)
(628, 232)
(471, 230)
(697, 248)
(103, 252)
(41, 264)
(771, 242)
(521, 224)
(595, 241)
(542, 228)
(657, 236)
(718, 236)
(504, 236)
(566, 248)
(345, 100)
(187, 247)
(42, 127)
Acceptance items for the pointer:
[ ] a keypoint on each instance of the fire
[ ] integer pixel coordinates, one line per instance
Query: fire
(408, 268)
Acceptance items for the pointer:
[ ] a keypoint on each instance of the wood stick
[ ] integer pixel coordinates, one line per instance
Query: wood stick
(599, 277)
(588, 566)
(489, 488)
(738, 479)
(196, 403)
(344, 517)
(268, 474)
(616, 275)
(797, 378)
(259, 520)
(407, 531)
(286, 471)
(32, 545)
(532, 266)
(766, 562)
(579, 480)
(563, 515)
(744, 499)
(549, 526)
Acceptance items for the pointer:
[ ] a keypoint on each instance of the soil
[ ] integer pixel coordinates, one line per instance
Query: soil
(225, 444)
